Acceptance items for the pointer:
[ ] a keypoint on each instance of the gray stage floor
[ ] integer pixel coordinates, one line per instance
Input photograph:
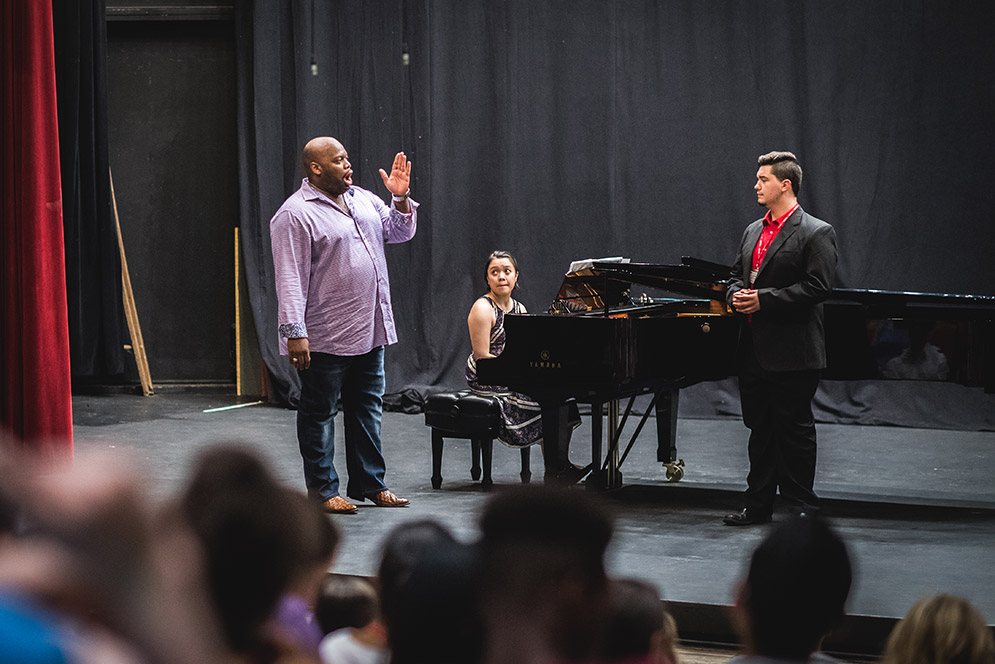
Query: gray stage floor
(917, 507)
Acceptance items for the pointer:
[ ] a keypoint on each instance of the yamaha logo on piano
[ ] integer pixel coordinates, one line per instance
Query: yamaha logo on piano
(543, 362)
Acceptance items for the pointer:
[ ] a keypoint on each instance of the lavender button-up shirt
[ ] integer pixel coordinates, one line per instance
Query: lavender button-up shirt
(331, 272)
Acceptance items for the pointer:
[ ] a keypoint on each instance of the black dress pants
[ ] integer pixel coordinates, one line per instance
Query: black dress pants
(777, 408)
(558, 422)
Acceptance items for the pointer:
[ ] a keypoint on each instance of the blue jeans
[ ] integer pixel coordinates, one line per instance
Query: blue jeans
(359, 382)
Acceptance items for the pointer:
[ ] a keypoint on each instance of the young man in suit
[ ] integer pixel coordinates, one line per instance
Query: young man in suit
(783, 271)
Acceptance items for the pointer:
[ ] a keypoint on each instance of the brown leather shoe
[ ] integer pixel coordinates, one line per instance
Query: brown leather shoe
(338, 505)
(387, 499)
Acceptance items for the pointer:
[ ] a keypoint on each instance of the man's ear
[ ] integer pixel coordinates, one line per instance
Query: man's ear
(314, 167)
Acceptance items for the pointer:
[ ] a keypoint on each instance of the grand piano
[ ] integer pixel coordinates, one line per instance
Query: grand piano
(601, 345)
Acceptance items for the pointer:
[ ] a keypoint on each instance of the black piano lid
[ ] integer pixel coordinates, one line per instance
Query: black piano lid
(693, 276)
(702, 278)
(869, 296)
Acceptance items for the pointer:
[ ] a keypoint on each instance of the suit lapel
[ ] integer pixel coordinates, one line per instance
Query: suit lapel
(790, 226)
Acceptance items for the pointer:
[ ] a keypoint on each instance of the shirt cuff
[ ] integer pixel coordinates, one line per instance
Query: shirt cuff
(411, 206)
(293, 330)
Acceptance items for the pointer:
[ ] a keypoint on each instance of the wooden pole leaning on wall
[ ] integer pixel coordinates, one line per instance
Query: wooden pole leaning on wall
(238, 325)
(130, 311)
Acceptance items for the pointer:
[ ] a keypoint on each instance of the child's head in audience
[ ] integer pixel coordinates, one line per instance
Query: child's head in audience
(637, 627)
(346, 601)
(942, 629)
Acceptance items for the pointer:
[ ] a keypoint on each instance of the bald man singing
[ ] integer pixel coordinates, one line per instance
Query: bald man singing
(335, 316)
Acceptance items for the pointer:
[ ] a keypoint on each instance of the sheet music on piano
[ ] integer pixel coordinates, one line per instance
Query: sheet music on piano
(588, 263)
(584, 290)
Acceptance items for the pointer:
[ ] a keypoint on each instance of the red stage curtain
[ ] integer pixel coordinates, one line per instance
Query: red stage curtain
(35, 388)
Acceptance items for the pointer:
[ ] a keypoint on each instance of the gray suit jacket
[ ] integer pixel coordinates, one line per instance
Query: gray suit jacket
(795, 277)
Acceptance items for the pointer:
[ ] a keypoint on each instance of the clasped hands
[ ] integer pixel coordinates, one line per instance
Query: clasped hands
(746, 301)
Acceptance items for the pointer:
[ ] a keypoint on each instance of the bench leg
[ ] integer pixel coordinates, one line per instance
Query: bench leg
(487, 451)
(526, 467)
(475, 454)
(436, 458)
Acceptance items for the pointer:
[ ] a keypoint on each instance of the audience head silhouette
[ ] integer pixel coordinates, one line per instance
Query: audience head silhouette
(543, 576)
(346, 601)
(794, 594)
(256, 534)
(401, 550)
(637, 627)
(428, 585)
(942, 629)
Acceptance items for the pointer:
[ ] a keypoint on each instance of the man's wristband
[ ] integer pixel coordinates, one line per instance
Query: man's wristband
(398, 199)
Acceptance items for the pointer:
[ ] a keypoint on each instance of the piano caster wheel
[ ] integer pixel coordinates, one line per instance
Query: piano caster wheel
(675, 470)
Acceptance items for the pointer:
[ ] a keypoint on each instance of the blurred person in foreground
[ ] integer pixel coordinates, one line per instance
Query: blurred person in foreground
(95, 571)
(942, 629)
(794, 593)
(543, 584)
(429, 595)
(638, 629)
(348, 611)
(294, 621)
(262, 542)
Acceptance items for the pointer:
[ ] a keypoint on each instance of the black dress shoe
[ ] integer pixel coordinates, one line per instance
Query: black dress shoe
(745, 517)
(805, 512)
(566, 476)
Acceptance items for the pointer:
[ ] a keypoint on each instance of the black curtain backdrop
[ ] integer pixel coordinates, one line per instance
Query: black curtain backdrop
(93, 265)
(564, 130)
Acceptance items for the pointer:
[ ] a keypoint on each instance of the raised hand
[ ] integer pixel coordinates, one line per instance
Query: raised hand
(399, 179)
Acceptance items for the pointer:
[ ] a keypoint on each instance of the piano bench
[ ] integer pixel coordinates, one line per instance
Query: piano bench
(470, 416)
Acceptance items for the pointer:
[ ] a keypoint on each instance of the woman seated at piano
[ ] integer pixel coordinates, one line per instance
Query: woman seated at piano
(521, 416)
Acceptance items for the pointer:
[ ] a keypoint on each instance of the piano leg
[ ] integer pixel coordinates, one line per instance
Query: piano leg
(605, 473)
(598, 478)
(666, 432)
(556, 432)
(666, 425)
(613, 480)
